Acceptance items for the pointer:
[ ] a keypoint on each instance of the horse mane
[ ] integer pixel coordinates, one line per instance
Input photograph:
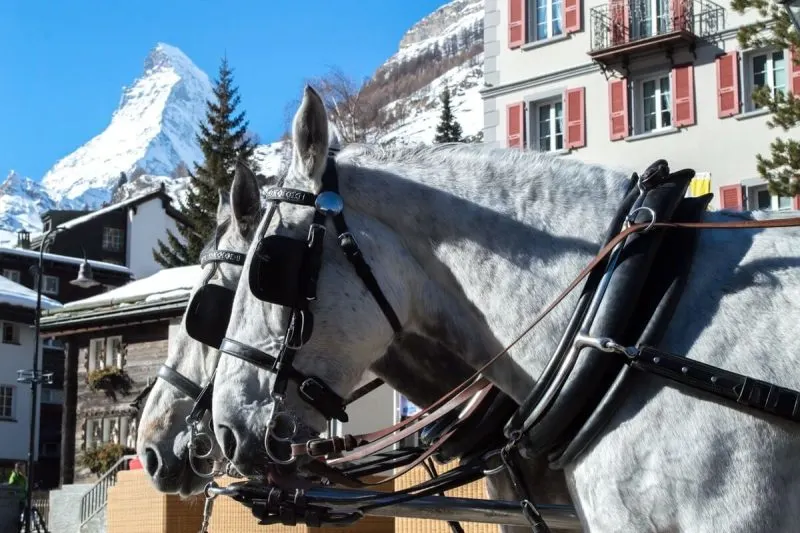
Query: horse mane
(517, 172)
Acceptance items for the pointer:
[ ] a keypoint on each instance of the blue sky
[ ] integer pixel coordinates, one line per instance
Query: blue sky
(63, 63)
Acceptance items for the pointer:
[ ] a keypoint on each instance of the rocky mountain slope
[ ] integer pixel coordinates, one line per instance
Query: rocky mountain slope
(152, 132)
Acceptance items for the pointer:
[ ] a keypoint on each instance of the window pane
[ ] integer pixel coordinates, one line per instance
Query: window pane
(662, 16)
(666, 102)
(649, 105)
(763, 199)
(784, 202)
(759, 70)
(641, 18)
(541, 19)
(544, 127)
(555, 9)
(559, 126)
(778, 72)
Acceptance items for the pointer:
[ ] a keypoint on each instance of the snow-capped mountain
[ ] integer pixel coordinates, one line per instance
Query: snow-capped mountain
(152, 132)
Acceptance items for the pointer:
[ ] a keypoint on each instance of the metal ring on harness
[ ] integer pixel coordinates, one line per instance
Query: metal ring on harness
(629, 218)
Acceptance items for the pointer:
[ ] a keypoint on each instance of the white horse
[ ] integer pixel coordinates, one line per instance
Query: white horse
(163, 433)
(468, 244)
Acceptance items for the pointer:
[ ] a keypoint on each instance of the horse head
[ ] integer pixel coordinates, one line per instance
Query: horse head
(164, 436)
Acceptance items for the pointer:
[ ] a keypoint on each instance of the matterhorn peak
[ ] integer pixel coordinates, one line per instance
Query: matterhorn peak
(152, 131)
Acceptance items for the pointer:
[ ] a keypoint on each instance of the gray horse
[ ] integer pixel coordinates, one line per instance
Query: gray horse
(468, 243)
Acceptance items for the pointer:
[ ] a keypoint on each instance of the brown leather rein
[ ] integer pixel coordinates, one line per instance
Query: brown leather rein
(366, 444)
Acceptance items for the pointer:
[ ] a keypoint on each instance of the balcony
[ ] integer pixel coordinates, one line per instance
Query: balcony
(623, 28)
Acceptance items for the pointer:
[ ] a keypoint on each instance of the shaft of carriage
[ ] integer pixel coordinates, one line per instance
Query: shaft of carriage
(340, 501)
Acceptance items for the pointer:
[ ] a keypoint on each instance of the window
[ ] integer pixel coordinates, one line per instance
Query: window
(50, 449)
(10, 333)
(6, 402)
(12, 275)
(654, 103)
(105, 352)
(759, 198)
(112, 239)
(548, 122)
(544, 19)
(50, 284)
(52, 396)
(116, 429)
(648, 18)
(764, 69)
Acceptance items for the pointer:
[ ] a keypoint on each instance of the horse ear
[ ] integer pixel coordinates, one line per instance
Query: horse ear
(245, 197)
(223, 206)
(310, 137)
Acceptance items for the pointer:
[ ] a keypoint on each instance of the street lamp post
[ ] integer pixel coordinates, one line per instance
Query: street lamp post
(35, 377)
(792, 8)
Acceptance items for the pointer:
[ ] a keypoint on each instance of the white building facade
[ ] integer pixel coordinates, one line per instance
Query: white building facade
(16, 353)
(626, 82)
(148, 222)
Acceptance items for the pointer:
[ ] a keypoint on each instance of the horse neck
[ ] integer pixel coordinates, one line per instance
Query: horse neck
(420, 369)
(498, 237)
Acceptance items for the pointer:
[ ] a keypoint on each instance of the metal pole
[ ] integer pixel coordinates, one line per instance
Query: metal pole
(433, 507)
(34, 385)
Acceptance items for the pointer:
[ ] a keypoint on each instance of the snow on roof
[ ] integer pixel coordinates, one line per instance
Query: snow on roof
(163, 285)
(65, 259)
(109, 208)
(15, 294)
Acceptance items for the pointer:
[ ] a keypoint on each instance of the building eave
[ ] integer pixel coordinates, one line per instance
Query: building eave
(66, 321)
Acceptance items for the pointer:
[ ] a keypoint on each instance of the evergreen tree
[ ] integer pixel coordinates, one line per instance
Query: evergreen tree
(223, 139)
(781, 167)
(448, 130)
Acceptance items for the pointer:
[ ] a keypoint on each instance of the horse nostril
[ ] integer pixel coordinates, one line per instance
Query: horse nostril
(151, 461)
(228, 440)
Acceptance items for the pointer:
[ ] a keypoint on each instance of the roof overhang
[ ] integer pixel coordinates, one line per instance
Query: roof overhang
(67, 321)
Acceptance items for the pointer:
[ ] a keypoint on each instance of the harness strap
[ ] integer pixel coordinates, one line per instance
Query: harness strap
(310, 388)
(222, 256)
(761, 395)
(368, 443)
(179, 381)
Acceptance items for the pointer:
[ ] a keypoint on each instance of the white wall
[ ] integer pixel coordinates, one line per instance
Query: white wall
(14, 434)
(146, 226)
(724, 147)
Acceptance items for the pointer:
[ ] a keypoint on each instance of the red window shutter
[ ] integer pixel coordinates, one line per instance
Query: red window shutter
(575, 114)
(796, 203)
(679, 18)
(572, 16)
(516, 23)
(619, 21)
(683, 95)
(618, 108)
(515, 124)
(728, 84)
(730, 197)
(795, 72)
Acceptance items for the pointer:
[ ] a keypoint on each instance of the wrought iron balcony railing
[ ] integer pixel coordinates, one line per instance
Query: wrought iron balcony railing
(622, 22)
